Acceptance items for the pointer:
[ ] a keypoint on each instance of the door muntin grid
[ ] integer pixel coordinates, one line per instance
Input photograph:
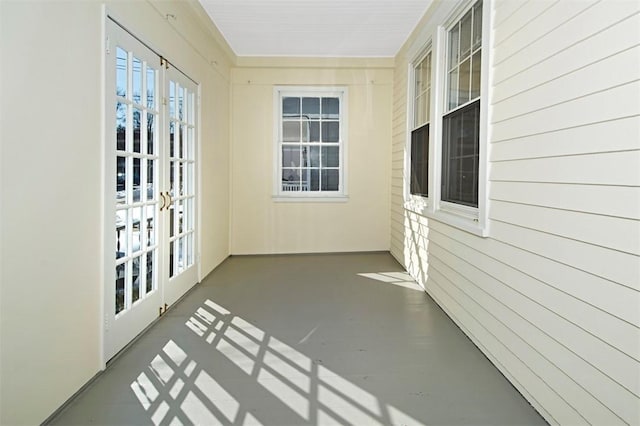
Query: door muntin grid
(136, 174)
(182, 189)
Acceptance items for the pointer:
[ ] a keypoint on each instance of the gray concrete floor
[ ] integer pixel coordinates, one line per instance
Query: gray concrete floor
(304, 339)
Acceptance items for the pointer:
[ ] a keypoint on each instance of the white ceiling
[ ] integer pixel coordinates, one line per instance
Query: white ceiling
(316, 28)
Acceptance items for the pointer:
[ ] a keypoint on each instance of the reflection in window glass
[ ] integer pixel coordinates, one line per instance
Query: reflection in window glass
(121, 126)
(150, 272)
(151, 87)
(137, 80)
(290, 107)
(120, 278)
(135, 278)
(136, 180)
(121, 72)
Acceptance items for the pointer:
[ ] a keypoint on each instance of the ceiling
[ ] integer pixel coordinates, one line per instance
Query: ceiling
(316, 28)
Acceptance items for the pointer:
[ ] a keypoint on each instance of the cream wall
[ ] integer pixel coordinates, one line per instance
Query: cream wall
(51, 109)
(261, 225)
(552, 295)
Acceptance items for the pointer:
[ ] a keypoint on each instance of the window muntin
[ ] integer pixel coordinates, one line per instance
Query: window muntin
(461, 122)
(310, 143)
(419, 173)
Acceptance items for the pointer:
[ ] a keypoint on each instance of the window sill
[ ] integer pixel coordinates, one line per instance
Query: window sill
(450, 216)
(310, 199)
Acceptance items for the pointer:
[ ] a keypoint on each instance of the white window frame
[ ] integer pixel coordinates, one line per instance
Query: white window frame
(470, 219)
(340, 92)
(418, 202)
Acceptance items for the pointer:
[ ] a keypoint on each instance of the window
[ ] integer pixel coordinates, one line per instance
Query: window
(310, 142)
(420, 133)
(461, 120)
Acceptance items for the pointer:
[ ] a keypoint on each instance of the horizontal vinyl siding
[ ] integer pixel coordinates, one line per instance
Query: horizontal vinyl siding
(552, 295)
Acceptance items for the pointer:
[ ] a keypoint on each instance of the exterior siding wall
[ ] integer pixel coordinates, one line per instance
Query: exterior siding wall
(552, 295)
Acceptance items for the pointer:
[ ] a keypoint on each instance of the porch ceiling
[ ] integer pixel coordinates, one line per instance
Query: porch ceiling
(311, 28)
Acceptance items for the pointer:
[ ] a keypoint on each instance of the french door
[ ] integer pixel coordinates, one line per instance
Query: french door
(150, 187)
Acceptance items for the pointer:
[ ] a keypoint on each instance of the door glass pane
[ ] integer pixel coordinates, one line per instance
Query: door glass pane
(137, 118)
(150, 272)
(136, 180)
(181, 142)
(180, 102)
(171, 220)
(151, 195)
(171, 259)
(151, 133)
(120, 278)
(121, 234)
(172, 99)
(121, 126)
(135, 221)
(135, 287)
(180, 254)
(151, 87)
(180, 207)
(121, 72)
(151, 229)
(172, 137)
(137, 80)
(181, 178)
(121, 180)
(172, 165)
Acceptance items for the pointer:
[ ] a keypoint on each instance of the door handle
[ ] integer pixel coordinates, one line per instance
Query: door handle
(164, 202)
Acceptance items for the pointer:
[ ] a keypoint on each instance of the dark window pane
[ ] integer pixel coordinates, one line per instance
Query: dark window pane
(330, 131)
(311, 108)
(314, 180)
(314, 131)
(331, 108)
(420, 161)
(330, 156)
(330, 180)
(290, 107)
(460, 156)
(137, 122)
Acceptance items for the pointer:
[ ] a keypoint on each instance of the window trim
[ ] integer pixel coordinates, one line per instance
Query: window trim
(474, 220)
(278, 194)
(419, 203)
